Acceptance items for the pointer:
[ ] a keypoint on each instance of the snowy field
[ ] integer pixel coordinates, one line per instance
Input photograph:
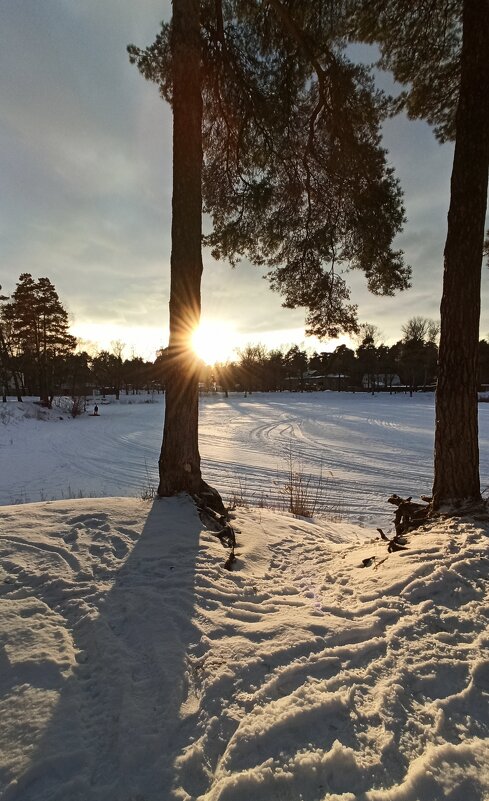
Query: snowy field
(135, 667)
(367, 447)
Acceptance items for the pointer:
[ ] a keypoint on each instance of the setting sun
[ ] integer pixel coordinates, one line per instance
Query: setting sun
(214, 342)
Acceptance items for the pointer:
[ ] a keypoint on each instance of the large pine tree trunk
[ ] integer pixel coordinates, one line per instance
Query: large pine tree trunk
(179, 463)
(456, 435)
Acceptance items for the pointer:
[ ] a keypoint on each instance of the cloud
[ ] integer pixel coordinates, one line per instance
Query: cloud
(85, 157)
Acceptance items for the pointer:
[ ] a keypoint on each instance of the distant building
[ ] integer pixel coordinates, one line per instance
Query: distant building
(311, 380)
(383, 381)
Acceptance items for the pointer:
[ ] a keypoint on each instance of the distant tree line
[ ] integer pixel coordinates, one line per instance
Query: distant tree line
(38, 357)
(411, 363)
(371, 365)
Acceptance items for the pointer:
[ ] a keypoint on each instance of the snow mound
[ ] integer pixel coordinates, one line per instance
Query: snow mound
(14, 411)
(134, 667)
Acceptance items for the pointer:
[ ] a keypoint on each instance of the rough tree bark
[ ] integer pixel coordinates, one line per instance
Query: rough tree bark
(456, 475)
(179, 463)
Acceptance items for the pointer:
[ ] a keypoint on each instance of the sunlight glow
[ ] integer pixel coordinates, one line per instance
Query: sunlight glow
(138, 340)
(214, 341)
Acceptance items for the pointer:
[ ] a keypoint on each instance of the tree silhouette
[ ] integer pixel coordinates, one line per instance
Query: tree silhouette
(39, 328)
(438, 50)
(280, 135)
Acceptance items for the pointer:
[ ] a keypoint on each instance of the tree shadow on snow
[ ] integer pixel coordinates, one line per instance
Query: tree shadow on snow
(127, 708)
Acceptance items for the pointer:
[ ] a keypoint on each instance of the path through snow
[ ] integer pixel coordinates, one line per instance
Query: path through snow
(135, 668)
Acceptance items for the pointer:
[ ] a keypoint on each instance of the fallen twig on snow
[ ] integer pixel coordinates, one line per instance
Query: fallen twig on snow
(397, 543)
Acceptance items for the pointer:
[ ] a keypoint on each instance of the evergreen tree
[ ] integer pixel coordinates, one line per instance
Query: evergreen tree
(108, 369)
(297, 361)
(367, 359)
(386, 366)
(439, 51)
(343, 363)
(77, 376)
(275, 369)
(293, 175)
(8, 369)
(39, 331)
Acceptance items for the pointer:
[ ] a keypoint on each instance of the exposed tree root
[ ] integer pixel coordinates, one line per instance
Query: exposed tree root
(219, 525)
(409, 515)
(209, 498)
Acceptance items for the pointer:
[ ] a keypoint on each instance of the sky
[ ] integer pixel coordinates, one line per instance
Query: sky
(85, 159)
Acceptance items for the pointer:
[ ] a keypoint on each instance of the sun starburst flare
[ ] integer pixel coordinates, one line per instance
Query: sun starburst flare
(214, 341)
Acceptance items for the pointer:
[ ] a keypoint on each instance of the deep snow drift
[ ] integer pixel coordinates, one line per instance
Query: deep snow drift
(134, 667)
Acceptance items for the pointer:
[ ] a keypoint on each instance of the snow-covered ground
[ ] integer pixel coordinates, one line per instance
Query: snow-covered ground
(367, 447)
(134, 667)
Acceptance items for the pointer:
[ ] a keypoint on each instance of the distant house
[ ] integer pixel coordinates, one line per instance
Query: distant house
(336, 381)
(312, 380)
(383, 381)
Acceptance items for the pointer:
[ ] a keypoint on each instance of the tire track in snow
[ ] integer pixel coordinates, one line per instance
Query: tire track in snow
(372, 446)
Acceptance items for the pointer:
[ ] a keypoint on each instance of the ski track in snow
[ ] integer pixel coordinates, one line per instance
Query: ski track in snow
(137, 669)
(366, 448)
